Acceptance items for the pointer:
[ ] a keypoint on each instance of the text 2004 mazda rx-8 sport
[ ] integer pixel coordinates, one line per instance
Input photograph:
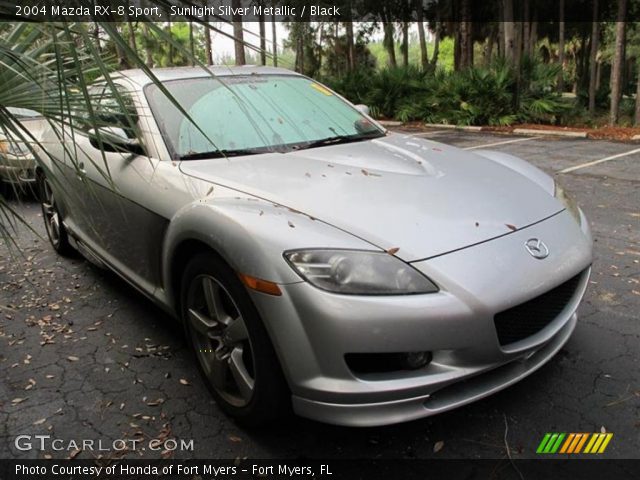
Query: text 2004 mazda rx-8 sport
(363, 277)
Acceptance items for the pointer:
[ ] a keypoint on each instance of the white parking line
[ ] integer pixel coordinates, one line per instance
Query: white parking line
(501, 143)
(602, 160)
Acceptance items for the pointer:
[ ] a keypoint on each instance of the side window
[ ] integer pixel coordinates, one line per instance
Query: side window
(115, 108)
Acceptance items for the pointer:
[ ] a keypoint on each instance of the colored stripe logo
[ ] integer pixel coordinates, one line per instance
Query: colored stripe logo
(572, 443)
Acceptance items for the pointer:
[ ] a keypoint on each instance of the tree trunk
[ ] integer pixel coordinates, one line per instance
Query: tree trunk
(436, 46)
(533, 35)
(637, 117)
(526, 35)
(274, 39)
(238, 35)
(192, 47)
(466, 38)
(207, 39)
(618, 63)
(560, 83)
(170, 60)
(509, 31)
(488, 50)
(389, 43)
(263, 40)
(404, 47)
(148, 53)
(424, 55)
(132, 36)
(351, 54)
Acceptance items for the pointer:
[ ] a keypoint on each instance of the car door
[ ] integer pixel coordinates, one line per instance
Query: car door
(118, 217)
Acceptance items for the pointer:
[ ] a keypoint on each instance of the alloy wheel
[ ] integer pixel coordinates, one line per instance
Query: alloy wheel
(221, 340)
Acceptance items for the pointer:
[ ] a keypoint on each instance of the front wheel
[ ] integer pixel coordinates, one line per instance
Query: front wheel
(52, 220)
(232, 346)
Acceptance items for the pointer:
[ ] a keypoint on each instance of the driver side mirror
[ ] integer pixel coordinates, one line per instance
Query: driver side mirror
(114, 139)
(364, 109)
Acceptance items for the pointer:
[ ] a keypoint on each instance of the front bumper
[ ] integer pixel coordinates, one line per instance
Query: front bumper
(313, 330)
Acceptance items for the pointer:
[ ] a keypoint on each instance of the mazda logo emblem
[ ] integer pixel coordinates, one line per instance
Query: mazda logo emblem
(537, 248)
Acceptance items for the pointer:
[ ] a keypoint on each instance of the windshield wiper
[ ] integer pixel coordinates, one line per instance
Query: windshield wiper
(335, 140)
(219, 154)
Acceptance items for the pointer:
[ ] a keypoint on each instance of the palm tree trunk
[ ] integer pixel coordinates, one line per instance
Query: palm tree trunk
(618, 63)
(424, 55)
(560, 83)
(148, 53)
(405, 44)
(389, 43)
(593, 56)
(637, 117)
(436, 46)
(466, 39)
(170, 44)
(132, 36)
(192, 48)
(351, 54)
(526, 33)
(238, 36)
(509, 31)
(263, 40)
(207, 39)
(274, 40)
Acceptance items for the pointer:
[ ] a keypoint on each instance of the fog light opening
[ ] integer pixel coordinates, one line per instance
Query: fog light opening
(415, 360)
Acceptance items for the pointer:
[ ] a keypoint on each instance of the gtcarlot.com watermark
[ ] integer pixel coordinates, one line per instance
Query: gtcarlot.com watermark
(25, 443)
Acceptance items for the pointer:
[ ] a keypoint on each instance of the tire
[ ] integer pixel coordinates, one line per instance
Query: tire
(58, 236)
(234, 353)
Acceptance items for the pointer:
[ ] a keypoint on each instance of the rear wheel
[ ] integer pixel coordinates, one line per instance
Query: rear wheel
(233, 349)
(52, 220)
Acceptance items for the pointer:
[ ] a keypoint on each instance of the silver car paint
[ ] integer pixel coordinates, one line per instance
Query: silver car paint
(422, 197)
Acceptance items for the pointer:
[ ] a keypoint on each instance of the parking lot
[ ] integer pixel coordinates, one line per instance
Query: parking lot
(83, 356)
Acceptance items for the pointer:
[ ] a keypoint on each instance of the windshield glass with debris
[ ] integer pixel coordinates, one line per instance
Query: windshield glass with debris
(243, 115)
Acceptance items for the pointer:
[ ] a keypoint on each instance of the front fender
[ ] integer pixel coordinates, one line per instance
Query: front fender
(251, 236)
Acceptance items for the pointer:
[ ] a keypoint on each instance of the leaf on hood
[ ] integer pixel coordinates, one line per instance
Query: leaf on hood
(511, 227)
(393, 251)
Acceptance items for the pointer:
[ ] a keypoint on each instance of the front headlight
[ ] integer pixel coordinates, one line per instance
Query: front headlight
(13, 147)
(568, 203)
(357, 272)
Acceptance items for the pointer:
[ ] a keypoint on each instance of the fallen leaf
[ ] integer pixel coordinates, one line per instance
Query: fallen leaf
(393, 251)
(292, 225)
(184, 381)
(235, 439)
(16, 401)
(438, 446)
(40, 422)
(510, 227)
(71, 358)
(603, 430)
(74, 453)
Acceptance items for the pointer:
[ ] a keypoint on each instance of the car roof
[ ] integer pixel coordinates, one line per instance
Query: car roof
(140, 78)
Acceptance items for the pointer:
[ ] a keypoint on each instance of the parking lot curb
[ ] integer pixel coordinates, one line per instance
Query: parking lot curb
(555, 133)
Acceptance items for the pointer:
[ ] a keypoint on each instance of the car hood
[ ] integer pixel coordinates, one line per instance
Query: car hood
(397, 192)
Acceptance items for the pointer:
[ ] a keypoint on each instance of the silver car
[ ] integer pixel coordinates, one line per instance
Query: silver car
(318, 261)
(17, 162)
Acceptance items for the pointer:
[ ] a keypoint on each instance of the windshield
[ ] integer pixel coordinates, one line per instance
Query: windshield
(253, 114)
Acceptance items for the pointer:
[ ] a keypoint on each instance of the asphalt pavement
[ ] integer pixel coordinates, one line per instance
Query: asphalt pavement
(83, 356)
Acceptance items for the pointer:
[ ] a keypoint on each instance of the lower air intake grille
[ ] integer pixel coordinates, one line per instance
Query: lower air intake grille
(529, 318)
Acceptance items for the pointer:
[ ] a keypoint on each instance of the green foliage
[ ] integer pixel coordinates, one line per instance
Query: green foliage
(494, 95)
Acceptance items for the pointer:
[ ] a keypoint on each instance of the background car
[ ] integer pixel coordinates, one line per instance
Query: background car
(17, 161)
(314, 258)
